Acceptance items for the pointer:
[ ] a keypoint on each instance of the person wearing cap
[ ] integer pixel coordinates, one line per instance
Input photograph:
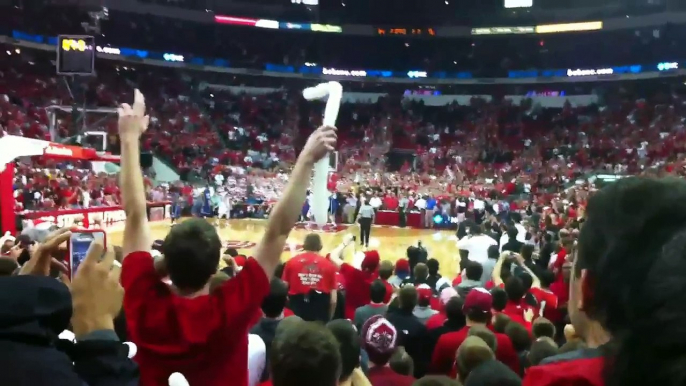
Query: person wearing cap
(380, 340)
(311, 280)
(422, 310)
(357, 281)
(477, 311)
(402, 272)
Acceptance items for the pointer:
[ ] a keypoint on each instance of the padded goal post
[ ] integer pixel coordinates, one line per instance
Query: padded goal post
(13, 147)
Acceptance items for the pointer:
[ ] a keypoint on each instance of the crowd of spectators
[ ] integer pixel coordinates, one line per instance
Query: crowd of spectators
(560, 309)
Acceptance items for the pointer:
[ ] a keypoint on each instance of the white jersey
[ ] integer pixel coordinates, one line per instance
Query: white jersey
(224, 204)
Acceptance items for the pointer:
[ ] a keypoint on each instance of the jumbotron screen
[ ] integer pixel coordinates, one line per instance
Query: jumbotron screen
(519, 3)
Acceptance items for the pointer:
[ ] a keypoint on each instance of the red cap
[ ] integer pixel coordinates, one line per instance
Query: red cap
(478, 299)
(371, 260)
(424, 292)
(402, 265)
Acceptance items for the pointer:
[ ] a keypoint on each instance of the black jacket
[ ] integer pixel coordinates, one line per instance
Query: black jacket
(412, 335)
(33, 311)
(266, 329)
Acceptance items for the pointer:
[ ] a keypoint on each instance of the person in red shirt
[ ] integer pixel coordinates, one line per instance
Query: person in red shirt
(311, 279)
(357, 281)
(182, 327)
(626, 296)
(380, 340)
(477, 310)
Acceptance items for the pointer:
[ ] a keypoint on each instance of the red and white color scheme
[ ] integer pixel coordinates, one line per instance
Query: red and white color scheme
(12, 147)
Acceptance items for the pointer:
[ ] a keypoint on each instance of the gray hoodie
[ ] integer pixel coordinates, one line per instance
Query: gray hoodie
(465, 286)
(423, 313)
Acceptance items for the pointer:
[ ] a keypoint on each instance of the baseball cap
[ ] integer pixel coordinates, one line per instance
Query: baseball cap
(424, 292)
(447, 294)
(402, 265)
(478, 299)
(379, 336)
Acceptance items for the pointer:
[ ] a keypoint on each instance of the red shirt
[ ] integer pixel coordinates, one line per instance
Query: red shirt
(575, 372)
(357, 284)
(436, 321)
(389, 292)
(385, 376)
(309, 271)
(204, 338)
(516, 313)
(547, 301)
(443, 356)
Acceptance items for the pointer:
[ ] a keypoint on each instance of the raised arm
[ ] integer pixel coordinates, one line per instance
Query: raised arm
(286, 211)
(132, 123)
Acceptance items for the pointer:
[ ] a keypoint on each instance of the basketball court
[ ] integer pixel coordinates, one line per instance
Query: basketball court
(391, 242)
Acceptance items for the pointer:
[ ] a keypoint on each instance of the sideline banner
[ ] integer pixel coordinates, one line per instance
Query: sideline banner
(106, 216)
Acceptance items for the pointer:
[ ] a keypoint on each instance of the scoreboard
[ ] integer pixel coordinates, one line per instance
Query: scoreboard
(75, 55)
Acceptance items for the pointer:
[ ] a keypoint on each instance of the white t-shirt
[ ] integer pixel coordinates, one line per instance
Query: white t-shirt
(477, 247)
(375, 202)
(420, 204)
(257, 354)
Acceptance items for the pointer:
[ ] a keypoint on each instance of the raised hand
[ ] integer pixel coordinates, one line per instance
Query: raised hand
(322, 141)
(132, 120)
(96, 293)
(42, 258)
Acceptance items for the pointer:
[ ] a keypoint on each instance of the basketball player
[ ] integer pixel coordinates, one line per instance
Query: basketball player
(206, 209)
(224, 207)
(175, 206)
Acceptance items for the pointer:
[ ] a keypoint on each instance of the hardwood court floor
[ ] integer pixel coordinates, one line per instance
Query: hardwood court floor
(391, 242)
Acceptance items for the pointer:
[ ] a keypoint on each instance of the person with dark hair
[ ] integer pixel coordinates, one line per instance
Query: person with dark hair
(476, 243)
(436, 380)
(627, 288)
(183, 327)
(542, 327)
(305, 354)
(517, 306)
(377, 292)
(486, 335)
(471, 279)
(470, 355)
(380, 341)
(521, 341)
(412, 331)
(273, 307)
(547, 300)
(385, 273)
(438, 319)
(500, 322)
(499, 299)
(401, 363)
(420, 275)
(311, 279)
(455, 321)
(512, 244)
(489, 264)
(477, 310)
(435, 280)
(349, 347)
(542, 348)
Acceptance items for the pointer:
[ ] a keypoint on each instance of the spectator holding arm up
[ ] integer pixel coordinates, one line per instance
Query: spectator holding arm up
(35, 308)
(183, 328)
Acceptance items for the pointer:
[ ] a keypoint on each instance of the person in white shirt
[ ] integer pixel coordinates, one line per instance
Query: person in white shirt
(375, 202)
(476, 244)
(420, 203)
(257, 356)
